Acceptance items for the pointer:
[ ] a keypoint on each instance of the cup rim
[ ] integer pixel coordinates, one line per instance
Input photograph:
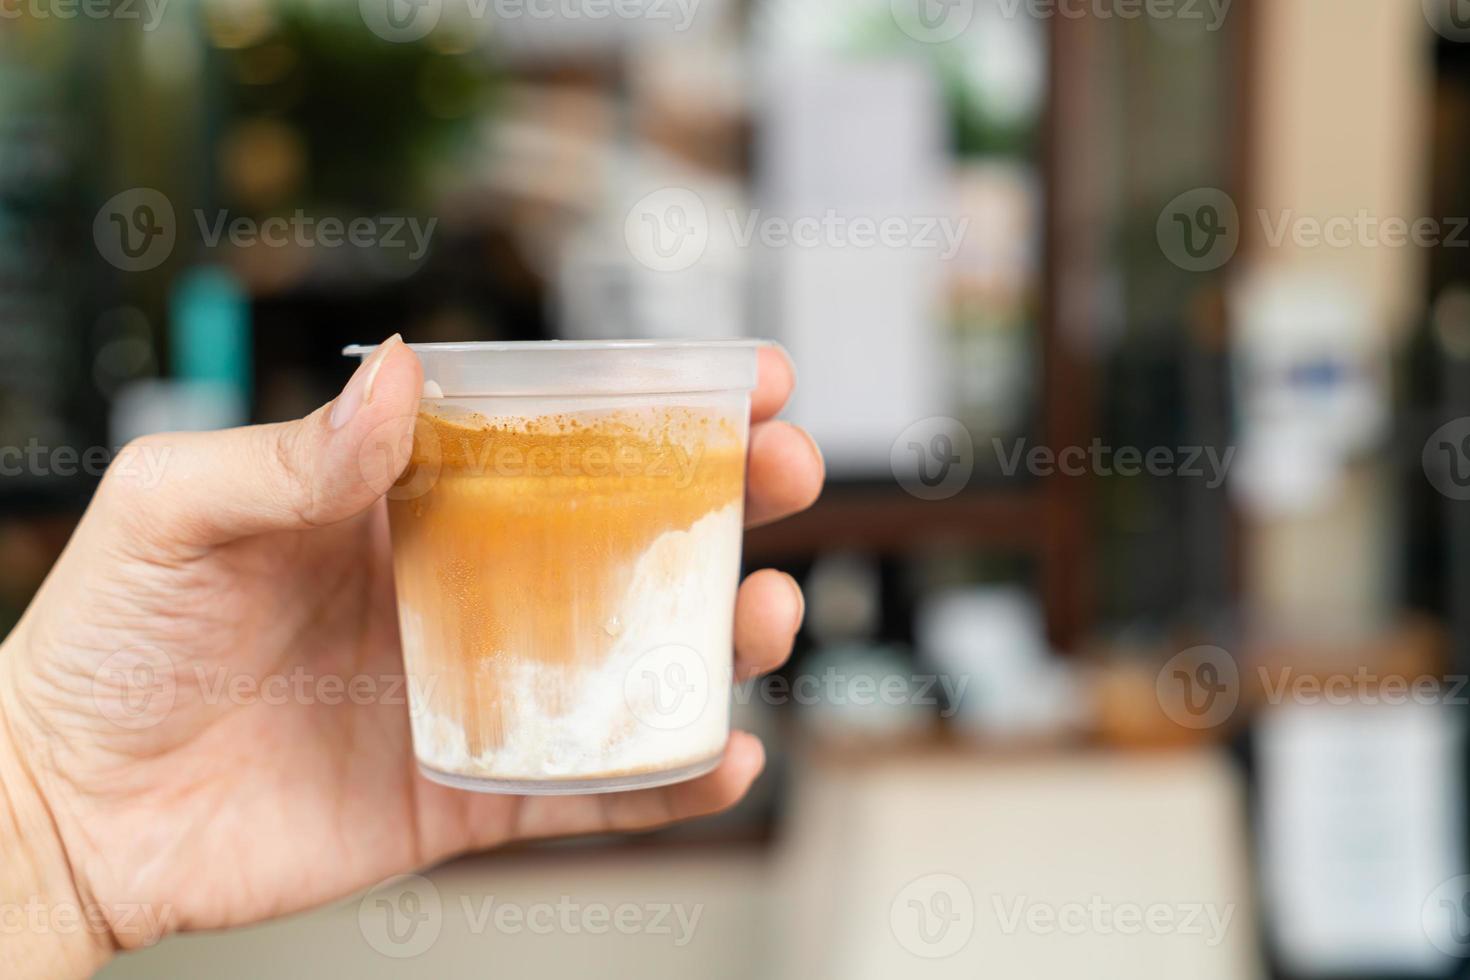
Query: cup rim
(535, 346)
(584, 368)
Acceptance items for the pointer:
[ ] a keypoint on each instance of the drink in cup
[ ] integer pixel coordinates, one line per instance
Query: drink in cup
(566, 551)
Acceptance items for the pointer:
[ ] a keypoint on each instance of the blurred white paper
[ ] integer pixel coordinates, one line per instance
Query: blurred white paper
(1311, 384)
(864, 323)
(1361, 821)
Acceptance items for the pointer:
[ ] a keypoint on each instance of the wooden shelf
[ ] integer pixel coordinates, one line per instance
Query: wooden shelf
(886, 520)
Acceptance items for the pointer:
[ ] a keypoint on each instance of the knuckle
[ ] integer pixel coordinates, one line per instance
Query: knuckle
(134, 489)
(293, 481)
(139, 466)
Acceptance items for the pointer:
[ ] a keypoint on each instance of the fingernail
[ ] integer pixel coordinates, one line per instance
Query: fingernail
(800, 600)
(360, 387)
(376, 361)
(790, 361)
(811, 440)
(762, 750)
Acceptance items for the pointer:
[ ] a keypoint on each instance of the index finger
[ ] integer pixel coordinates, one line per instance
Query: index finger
(775, 380)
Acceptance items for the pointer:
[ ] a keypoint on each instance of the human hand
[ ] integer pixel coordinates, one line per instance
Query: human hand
(263, 556)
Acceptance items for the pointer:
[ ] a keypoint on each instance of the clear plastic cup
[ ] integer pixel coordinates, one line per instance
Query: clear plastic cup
(566, 551)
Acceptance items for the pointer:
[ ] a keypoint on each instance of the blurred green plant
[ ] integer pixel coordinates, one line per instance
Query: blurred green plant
(373, 117)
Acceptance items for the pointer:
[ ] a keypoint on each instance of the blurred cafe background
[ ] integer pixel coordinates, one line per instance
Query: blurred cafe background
(1136, 334)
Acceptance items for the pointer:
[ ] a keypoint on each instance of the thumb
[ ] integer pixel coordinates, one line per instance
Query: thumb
(216, 487)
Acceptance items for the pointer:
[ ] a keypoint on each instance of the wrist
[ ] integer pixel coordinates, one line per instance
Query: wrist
(47, 927)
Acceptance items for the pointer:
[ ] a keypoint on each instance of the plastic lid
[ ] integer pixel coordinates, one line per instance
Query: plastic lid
(585, 367)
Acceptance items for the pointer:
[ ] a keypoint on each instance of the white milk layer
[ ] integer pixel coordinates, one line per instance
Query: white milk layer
(659, 700)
